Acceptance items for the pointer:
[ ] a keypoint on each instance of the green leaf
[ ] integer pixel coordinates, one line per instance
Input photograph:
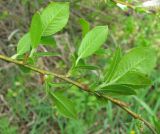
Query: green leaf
(64, 105)
(140, 59)
(114, 64)
(117, 90)
(135, 79)
(24, 44)
(92, 41)
(36, 30)
(54, 17)
(40, 54)
(48, 40)
(85, 26)
(57, 84)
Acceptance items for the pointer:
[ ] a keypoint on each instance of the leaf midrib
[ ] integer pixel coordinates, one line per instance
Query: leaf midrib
(46, 27)
(64, 105)
(89, 45)
(114, 80)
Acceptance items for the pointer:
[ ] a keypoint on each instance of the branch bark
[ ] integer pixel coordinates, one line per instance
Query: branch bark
(119, 103)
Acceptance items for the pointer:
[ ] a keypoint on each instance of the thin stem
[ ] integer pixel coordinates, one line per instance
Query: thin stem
(44, 72)
(136, 116)
(83, 87)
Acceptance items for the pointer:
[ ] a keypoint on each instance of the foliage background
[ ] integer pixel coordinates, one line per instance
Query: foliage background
(24, 107)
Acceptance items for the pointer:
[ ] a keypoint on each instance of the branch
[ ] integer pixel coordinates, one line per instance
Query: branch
(83, 87)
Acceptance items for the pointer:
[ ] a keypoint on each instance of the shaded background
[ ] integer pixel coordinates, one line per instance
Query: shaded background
(24, 107)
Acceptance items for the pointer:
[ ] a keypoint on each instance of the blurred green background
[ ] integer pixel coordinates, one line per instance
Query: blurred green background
(24, 107)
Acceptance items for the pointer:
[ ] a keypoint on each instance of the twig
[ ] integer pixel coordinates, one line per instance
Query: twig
(136, 116)
(83, 87)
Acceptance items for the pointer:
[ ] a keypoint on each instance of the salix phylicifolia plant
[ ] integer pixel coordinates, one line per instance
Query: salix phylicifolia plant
(126, 74)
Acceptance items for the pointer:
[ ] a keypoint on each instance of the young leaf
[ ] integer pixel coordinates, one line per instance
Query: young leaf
(24, 44)
(114, 64)
(135, 79)
(85, 26)
(36, 30)
(48, 40)
(117, 90)
(57, 84)
(40, 54)
(92, 41)
(55, 17)
(140, 59)
(64, 105)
